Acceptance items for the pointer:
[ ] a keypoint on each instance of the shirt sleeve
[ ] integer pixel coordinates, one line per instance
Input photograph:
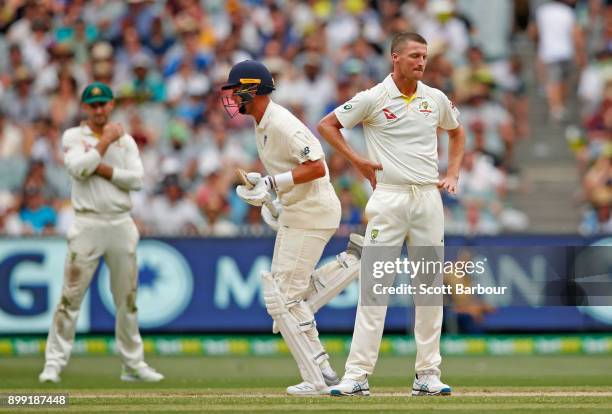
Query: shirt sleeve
(356, 110)
(80, 160)
(131, 177)
(449, 114)
(303, 146)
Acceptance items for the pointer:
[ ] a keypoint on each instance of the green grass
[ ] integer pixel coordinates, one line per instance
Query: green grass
(523, 384)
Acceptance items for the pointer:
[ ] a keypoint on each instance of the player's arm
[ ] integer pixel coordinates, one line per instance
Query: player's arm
(80, 161)
(308, 171)
(455, 156)
(129, 178)
(329, 128)
(449, 120)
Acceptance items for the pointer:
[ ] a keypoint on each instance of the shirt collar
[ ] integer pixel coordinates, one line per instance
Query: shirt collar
(394, 92)
(265, 119)
(86, 130)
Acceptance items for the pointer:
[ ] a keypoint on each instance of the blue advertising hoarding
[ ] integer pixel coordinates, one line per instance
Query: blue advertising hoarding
(213, 285)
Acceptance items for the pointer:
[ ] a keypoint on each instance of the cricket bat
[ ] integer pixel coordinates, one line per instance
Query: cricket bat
(242, 176)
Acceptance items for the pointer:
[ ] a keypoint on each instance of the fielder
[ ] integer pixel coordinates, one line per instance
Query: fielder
(400, 117)
(309, 216)
(104, 166)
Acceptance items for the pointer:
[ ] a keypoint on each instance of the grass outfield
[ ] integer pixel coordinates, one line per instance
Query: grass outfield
(517, 384)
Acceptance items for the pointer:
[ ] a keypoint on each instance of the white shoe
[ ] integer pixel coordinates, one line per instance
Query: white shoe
(350, 387)
(428, 383)
(145, 373)
(50, 374)
(305, 388)
(330, 377)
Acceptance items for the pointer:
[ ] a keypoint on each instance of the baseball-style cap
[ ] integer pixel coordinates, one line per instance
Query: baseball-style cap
(97, 92)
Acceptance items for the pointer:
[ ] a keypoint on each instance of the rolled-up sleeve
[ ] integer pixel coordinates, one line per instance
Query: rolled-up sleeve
(80, 160)
(357, 110)
(131, 177)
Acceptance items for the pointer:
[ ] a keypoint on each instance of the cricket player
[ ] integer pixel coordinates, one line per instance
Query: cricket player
(310, 214)
(104, 166)
(400, 117)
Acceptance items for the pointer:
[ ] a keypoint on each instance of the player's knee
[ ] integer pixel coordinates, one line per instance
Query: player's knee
(273, 299)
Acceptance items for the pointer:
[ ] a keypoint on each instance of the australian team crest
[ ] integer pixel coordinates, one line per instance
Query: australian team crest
(425, 108)
(373, 235)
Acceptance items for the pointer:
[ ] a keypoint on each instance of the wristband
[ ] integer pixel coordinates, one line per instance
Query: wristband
(279, 182)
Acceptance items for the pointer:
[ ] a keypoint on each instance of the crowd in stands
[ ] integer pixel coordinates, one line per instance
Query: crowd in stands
(166, 60)
(592, 143)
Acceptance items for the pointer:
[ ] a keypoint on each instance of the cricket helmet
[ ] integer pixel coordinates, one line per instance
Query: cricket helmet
(247, 79)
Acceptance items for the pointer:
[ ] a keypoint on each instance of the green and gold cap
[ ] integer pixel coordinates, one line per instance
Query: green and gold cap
(97, 92)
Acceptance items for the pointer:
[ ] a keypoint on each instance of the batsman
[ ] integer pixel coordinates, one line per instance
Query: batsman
(305, 215)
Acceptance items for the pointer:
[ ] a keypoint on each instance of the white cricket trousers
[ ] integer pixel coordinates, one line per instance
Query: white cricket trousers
(89, 238)
(296, 253)
(398, 214)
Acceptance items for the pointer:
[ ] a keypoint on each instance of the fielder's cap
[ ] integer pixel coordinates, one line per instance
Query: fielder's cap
(250, 72)
(97, 92)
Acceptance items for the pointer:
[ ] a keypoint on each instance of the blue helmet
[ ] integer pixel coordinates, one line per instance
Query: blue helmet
(250, 72)
(248, 78)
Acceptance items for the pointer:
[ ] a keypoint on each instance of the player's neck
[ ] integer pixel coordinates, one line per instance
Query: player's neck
(97, 131)
(260, 109)
(406, 86)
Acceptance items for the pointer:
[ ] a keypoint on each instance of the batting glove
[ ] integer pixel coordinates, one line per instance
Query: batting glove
(254, 196)
(267, 216)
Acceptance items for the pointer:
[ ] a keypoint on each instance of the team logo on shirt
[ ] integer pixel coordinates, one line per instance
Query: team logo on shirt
(389, 114)
(347, 107)
(373, 235)
(306, 151)
(425, 108)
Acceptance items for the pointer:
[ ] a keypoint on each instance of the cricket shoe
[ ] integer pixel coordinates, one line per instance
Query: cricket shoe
(330, 377)
(50, 374)
(144, 373)
(350, 387)
(428, 383)
(306, 388)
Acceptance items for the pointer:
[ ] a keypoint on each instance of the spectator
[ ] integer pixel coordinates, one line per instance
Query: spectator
(172, 212)
(12, 142)
(560, 42)
(21, 103)
(214, 209)
(37, 216)
(64, 104)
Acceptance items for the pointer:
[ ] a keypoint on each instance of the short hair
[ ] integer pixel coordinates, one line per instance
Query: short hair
(400, 39)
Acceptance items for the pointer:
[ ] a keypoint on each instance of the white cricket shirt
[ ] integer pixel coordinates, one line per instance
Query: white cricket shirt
(92, 193)
(283, 143)
(400, 131)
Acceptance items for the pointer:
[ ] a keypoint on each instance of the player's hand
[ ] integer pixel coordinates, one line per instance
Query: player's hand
(112, 131)
(448, 183)
(267, 216)
(254, 196)
(255, 178)
(368, 169)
